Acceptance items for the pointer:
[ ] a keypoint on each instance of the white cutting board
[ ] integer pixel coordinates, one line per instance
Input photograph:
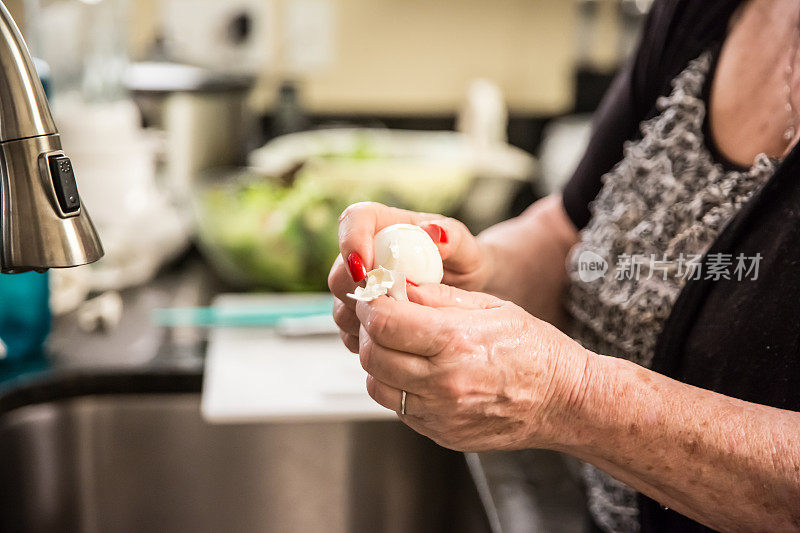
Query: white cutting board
(254, 375)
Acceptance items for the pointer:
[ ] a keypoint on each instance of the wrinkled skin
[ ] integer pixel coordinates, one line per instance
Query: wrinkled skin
(480, 372)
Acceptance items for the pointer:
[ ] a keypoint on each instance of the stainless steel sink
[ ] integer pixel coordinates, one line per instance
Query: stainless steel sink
(142, 463)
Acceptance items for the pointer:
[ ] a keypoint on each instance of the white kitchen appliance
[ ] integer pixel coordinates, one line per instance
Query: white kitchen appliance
(229, 36)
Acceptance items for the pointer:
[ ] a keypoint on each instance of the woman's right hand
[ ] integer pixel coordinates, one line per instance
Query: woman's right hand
(466, 264)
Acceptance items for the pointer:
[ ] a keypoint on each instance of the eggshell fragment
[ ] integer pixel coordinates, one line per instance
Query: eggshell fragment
(379, 282)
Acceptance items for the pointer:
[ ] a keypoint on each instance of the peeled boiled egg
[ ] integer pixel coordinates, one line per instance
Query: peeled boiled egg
(402, 252)
(409, 250)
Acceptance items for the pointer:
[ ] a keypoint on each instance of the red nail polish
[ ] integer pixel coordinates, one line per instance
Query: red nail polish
(356, 267)
(437, 233)
(409, 282)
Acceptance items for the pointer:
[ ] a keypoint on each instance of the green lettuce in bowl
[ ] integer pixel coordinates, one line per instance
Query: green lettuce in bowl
(260, 233)
(267, 233)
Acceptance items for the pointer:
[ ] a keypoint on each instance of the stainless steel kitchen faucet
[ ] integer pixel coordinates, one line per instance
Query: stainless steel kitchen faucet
(43, 223)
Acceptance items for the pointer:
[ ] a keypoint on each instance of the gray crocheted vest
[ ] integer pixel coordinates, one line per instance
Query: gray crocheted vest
(658, 211)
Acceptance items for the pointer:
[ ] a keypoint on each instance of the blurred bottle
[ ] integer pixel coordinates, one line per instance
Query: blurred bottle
(84, 43)
(290, 117)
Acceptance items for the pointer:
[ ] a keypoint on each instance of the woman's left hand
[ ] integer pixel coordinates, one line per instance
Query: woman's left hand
(480, 373)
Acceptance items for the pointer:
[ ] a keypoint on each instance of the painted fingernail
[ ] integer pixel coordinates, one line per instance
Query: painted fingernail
(356, 267)
(409, 282)
(437, 233)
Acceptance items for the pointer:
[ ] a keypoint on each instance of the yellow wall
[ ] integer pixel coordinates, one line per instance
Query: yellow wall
(419, 55)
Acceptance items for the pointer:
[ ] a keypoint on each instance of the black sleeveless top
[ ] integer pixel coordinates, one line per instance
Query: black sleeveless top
(738, 339)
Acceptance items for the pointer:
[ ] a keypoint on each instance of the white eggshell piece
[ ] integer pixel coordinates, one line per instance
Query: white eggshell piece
(379, 282)
(410, 250)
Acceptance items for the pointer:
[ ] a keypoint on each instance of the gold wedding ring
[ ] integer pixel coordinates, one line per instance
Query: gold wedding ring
(403, 402)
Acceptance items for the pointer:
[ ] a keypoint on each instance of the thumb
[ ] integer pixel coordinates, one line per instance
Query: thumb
(443, 296)
(457, 246)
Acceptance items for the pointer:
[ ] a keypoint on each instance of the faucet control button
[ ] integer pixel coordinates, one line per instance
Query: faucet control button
(64, 183)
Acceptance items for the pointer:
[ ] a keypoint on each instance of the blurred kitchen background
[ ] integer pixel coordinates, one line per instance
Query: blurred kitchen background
(243, 127)
(215, 144)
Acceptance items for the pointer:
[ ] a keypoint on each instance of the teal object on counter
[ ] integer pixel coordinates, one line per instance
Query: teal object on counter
(242, 316)
(24, 322)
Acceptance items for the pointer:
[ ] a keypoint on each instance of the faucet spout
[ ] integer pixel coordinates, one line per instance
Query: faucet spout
(43, 223)
(24, 111)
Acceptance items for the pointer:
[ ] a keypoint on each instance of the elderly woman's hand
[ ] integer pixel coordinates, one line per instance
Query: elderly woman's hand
(465, 263)
(480, 373)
